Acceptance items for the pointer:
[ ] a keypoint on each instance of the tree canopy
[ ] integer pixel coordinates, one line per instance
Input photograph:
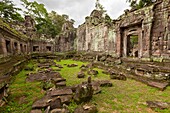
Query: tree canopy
(9, 12)
(139, 3)
(49, 24)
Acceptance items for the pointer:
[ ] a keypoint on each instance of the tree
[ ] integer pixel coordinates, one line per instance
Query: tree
(139, 3)
(9, 12)
(46, 23)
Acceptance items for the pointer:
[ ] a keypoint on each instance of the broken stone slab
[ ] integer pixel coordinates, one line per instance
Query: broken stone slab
(42, 76)
(36, 111)
(47, 101)
(42, 103)
(90, 66)
(118, 76)
(92, 72)
(66, 99)
(55, 103)
(86, 109)
(63, 110)
(56, 80)
(60, 84)
(84, 92)
(83, 69)
(83, 66)
(96, 88)
(160, 85)
(72, 65)
(59, 66)
(158, 104)
(81, 75)
(61, 92)
(105, 83)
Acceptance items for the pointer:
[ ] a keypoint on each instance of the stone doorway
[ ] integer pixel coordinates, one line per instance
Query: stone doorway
(21, 47)
(48, 48)
(8, 46)
(35, 48)
(132, 45)
(15, 47)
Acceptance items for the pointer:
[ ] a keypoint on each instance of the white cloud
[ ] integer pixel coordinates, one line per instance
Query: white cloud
(79, 9)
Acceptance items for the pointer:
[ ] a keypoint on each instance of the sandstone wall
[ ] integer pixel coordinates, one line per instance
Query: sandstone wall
(66, 40)
(96, 35)
(160, 39)
(11, 44)
(137, 23)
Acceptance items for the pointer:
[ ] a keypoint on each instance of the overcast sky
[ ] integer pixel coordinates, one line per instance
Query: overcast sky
(79, 9)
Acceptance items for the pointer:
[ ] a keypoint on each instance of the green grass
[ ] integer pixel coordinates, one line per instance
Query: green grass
(70, 73)
(124, 97)
(22, 94)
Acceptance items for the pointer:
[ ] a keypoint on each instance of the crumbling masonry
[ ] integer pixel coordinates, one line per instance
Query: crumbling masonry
(141, 33)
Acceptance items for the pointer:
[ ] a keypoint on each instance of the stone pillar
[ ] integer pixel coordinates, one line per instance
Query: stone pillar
(118, 43)
(3, 49)
(140, 47)
(147, 27)
(125, 44)
(19, 48)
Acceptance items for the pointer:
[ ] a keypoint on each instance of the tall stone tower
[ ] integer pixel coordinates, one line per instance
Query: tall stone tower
(30, 26)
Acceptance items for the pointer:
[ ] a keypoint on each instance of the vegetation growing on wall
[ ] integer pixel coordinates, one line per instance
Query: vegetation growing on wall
(49, 24)
(137, 4)
(9, 12)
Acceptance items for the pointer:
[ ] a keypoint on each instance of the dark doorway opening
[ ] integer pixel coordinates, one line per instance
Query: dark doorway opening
(15, 47)
(25, 48)
(8, 46)
(1, 48)
(132, 46)
(22, 49)
(48, 48)
(35, 48)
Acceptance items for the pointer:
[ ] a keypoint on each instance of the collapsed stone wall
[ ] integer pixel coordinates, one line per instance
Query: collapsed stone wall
(137, 23)
(95, 34)
(14, 42)
(66, 40)
(150, 25)
(160, 38)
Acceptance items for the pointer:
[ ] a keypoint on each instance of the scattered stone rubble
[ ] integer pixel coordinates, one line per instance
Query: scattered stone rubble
(158, 104)
(57, 98)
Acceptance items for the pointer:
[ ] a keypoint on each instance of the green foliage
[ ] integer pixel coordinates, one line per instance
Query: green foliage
(57, 21)
(35, 9)
(48, 24)
(108, 20)
(9, 12)
(134, 40)
(125, 96)
(139, 4)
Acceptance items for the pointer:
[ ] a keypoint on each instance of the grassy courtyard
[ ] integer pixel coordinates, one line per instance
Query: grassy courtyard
(124, 97)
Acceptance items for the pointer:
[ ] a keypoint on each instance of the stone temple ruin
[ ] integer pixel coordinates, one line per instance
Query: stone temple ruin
(139, 41)
(142, 33)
